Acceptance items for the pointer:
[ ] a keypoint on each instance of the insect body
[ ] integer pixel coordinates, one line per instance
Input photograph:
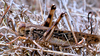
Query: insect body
(54, 36)
(59, 35)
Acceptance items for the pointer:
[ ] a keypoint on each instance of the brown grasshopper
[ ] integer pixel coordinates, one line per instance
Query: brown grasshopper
(48, 33)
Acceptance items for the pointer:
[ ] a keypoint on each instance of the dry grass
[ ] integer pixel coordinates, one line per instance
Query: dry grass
(36, 12)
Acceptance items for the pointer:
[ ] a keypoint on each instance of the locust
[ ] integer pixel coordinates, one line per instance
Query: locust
(47, 32)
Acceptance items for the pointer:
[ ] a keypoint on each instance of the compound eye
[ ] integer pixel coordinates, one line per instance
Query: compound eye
(21, 28)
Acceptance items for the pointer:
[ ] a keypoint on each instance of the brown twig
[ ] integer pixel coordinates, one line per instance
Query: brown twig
(41, 10)
(4, 14)
(71, 29)
(10, 21)
(1, 34)
(57, 52)
(16, 39)
(25, 38)
(4, 27)
(37, 45)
